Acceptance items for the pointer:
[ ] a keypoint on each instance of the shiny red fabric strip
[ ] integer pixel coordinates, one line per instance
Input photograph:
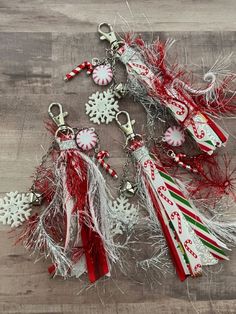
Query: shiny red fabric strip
(95, 254)
(174, 255)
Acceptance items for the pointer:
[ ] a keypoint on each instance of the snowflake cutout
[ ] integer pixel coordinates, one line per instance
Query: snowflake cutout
(123, 215)
(14, 208)
(102, 107)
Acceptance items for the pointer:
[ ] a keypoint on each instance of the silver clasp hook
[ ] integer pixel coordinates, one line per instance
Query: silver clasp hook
(109, 35)
(58, 118)
(127, 127)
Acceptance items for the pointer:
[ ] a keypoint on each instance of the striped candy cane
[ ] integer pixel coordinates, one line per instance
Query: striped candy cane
(85, 65)
(187, 244)
(100, 158)
(177, 158)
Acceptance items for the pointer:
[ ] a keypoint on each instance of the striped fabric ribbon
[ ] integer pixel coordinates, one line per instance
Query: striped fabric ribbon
(190, 241)
(207, 238)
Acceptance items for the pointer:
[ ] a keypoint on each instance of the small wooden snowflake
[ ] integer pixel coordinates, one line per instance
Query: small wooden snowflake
(124, 215)
(102, 107)
(14, 208)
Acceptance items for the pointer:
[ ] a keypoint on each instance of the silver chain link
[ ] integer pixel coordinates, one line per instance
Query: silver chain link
(43, 161)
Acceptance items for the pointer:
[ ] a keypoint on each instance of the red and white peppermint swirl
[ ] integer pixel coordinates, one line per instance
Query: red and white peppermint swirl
(86, 139)
(174, 136)
(102, 74)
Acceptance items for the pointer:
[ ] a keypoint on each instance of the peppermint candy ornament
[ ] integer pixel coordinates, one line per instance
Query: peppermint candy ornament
(102, 75)
(86, 139)
(174, 136)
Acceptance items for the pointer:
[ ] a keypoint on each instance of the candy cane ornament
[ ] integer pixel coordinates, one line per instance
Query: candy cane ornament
(177, 159)
(85, 65)
(100, 158)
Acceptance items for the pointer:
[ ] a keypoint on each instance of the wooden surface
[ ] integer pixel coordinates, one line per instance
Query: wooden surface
(39, 42)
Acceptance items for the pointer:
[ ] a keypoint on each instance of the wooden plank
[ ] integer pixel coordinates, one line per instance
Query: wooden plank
(25, 63)
(175, 306)
(78, 16)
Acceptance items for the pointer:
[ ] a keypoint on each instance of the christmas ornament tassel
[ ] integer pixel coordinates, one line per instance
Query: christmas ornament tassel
(162, 88)
(182, 242)
(97, 198)
(190, 242)
(79, 171)
(171, 242)
(42, 234)
(74, 227)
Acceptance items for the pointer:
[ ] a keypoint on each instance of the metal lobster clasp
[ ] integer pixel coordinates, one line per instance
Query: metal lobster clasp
(57, 115)
(110, 35)
(127, 127)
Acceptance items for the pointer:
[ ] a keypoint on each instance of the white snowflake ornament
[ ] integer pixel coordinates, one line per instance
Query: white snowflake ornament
(14, 208)
(102, 107)
(123, 215)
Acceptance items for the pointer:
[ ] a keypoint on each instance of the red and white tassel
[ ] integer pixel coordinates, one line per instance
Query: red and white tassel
(74, 228)
(85, 65)
(166, 90)
(190, 242)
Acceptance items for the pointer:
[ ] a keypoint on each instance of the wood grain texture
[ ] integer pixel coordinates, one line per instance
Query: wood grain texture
(40, 42)
(83, 16)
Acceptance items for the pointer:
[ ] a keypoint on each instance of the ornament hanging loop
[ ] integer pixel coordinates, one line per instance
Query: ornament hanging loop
(127, 127)
(110, 35)
(59, 116)
(69, 132)
(171, 153)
